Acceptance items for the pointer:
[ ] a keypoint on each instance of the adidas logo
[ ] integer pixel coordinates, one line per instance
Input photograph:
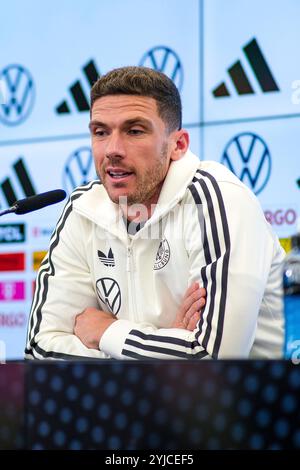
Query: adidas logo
(24, 180)
(108, 260)
(77, 91)
(239, 78)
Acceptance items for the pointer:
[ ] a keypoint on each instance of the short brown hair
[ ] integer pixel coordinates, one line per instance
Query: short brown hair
(143, 81)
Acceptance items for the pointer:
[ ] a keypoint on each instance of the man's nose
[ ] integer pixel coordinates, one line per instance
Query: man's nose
(115, 146)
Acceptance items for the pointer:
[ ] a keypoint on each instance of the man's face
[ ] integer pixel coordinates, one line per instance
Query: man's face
(131, 146)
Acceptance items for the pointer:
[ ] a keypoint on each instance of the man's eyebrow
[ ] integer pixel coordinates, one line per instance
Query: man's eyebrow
(128, 122)
(96, 123)
(137, 120)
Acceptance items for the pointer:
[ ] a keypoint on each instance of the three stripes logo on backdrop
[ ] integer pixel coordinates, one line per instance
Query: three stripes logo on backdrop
(78, 95)
(239, 78)
(24, 181)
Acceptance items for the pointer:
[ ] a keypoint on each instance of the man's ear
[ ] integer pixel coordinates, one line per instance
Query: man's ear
(180, 144)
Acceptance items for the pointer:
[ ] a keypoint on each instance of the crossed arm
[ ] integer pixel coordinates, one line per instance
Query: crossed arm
(233, 269)
(92, 323)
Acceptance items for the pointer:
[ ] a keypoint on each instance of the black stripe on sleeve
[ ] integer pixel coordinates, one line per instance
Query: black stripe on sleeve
(160, 350)
(164, 339)
(213, 269)
(164, 350)
(134, 355)
(156, 349)
(56, 355)
(220, 290)
(205, 243)
(225, 267)
(46, 270)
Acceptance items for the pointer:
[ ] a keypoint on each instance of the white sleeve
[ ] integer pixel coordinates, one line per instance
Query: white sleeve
(230, 250)
(63, 289)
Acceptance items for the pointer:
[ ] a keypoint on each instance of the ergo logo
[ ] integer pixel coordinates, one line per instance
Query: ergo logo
(281, 216)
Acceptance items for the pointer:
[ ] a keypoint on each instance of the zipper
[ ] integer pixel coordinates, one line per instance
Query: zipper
(129, 261)
(131, 281)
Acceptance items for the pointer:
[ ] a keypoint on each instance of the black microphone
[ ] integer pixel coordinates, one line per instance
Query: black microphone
(33, 203)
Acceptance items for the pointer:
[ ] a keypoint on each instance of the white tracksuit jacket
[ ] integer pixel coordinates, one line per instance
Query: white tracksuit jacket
(207, 227)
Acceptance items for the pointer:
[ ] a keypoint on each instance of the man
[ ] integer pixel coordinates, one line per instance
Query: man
(132, 257)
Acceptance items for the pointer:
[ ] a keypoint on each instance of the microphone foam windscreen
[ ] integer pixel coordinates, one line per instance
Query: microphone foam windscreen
(34, 203)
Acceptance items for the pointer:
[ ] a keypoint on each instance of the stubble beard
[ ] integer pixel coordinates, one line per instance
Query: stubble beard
(146, 185)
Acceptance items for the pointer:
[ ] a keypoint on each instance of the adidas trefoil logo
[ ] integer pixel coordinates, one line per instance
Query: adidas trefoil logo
(108, 260)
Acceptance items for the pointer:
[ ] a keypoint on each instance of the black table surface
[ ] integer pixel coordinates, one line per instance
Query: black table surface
(133, 405)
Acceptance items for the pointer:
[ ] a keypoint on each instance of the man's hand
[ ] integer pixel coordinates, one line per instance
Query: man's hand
(188, 314)
(90, 326)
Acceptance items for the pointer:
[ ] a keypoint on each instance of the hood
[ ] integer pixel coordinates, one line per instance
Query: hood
(95, 204)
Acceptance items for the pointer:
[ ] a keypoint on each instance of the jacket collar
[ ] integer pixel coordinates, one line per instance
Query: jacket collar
(95, 204)
(180, 175)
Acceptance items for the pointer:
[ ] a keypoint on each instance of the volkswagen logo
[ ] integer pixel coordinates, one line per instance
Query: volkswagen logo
(20, 94)
(79, 169)
(248, 157)
(109, 293)
(164, 60)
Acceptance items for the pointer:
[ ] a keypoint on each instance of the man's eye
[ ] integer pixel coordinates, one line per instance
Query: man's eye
(100, 132)
(135, 131)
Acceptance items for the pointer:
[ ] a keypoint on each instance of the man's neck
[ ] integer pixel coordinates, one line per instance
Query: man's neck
(140, 212)
(137, 212)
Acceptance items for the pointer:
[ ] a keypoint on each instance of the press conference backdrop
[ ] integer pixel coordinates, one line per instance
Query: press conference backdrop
(236, 66)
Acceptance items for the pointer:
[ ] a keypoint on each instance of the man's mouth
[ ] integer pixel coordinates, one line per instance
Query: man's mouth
(118, 175)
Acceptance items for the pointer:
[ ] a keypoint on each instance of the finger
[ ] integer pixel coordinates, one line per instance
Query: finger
(193, 287)
(195, 307)
(184, 307)
(202, 291)
(193, 294)
(192, 324)
(188, 302)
